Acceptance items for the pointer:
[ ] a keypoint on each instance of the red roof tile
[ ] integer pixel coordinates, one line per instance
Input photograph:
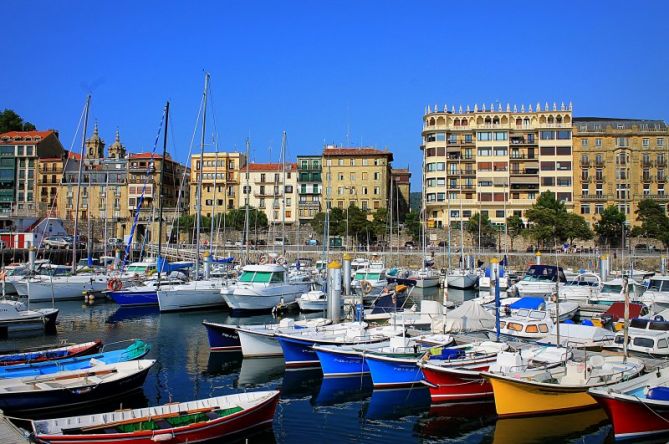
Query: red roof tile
(73, 155)
(148, 156)
(9, 138)
(270, 167)
(356, 152)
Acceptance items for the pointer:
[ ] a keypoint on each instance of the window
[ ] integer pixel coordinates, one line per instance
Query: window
(377, 176)
(599, 208)
(548, 181)
(364, 205)
(645, 142)
(483, 152)
(500, 151)
(499, 213)
(500, 135)
(547, 151)
(548, 166)
(585, 209)
(622, 141)
(563, 166)
(377, 190)
(584, 142)
(563, 151)
(547, 135)
(352, 177)
(660, 141)
(483, 136)
(352, 162)
(564, 135)
(288, 188)
(598, 142)
(340, 162)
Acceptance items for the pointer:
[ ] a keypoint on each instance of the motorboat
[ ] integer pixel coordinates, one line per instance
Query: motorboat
(145, 294)
(41, 288)
(638, 408)
(262, 287)
(612, 291)
(524, 325)
(657, 293)
(192, 295)
(259, 341)
(559, 389)
(425, 278)
(462, 279)
(539, 280)
(511, 306)
(646, 336)
(485, 279)
(315, 300)
(192, 421)
(389, 302)
(614, 316)
(369, 282)
(581, 336)
(581, 289)
(16, 317)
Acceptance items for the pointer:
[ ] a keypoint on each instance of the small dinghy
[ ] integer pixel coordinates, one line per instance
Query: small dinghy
(193, 421)
(36, 394)
(15, 317)
(49, 353)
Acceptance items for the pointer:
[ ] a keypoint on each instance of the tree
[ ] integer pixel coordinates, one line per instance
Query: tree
(576, 227)
(412, 225)
(547, 219)
(654, 221)
(10, 121)
(514, 227)
(487, 231)
(610, 226)
(236, 218)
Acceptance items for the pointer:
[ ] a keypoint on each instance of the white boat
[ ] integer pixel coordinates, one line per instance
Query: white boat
(59, 288)
(11, 274)
(485, 281)
(422, 319)
(612, 291)
(539, 280)
(657, 293)
(462, 279)
(580, 336)
(524, 325)
(581, 289)
(192, 295)
(369, 282)
(511, 306)
(262, 287)
(425, 278)
(15, 317)
(259, 341)
(646, 336)
(314, 300)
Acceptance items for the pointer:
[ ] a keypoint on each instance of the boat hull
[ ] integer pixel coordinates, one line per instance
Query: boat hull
(134, 298)
(389, 372)
(44, 320)
(256, 416)
(462, 282)
(259, 344)
(428, 282)
(263, 299)
(190, 299)
(298, 353)
(515, 398)
(62, 289)
(634, 419)
(451, 385)
(341, 363)
(222, 338)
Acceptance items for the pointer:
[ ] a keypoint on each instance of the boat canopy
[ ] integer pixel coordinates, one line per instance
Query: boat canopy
(544, 273)
(579, 333)
(166, 267)
(470, 316)
(530, 303)
(617, 310)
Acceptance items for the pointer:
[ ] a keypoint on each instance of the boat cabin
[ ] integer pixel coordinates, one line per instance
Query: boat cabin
(649, 337)
(527, 323)
(371, 275)
(544, 273)
(659, 284)
(141, 268)
(263, 274)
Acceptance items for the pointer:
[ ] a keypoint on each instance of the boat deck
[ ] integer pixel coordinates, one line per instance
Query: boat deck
(9, 433)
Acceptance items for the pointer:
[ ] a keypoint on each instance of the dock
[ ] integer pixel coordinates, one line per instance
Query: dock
(9, 433)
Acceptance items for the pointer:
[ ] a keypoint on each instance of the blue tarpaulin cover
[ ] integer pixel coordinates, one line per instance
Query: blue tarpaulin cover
(532, 303)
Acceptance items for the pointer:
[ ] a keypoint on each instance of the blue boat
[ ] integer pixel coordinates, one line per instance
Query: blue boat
(135, 297)
(341, 360)
(397, 371)
(136, 350)
(222, 337)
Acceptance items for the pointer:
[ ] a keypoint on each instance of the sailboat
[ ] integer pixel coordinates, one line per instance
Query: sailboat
(199, 293)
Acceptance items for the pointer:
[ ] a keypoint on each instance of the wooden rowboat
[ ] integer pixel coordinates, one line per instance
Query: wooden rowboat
(185, 422)
(49, 353)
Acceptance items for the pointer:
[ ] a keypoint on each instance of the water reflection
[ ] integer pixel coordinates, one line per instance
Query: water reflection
(299, 384)
(340, 390)
(258, 371)
(553, 428)
(472, 422)
(223, 363)
(132, 313)
(395, 404)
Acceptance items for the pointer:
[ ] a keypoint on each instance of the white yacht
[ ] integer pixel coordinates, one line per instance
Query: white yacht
(425, 278)
(369, 282)
(462, 279)
(192, 295)
(581, 289)
(15, 317)
(539, 280)
(612, 291)
(41, 288)
(262, 287)
(657, 293)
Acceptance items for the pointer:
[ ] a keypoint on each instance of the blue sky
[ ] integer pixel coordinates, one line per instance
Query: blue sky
(324, 71)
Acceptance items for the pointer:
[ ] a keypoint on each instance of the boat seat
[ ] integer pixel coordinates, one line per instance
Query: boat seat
(211, 415)
(162, 424)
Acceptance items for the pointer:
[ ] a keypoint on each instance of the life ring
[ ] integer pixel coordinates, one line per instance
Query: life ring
(365, 286)
(114, 284)
(281, 260)
(263, 259)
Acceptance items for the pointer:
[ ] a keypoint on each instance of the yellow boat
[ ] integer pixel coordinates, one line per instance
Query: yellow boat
(560, 389)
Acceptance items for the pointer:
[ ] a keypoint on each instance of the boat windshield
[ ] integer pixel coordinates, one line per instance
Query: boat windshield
(538, 278)
(612, 288)
(361, 276)
(260, 277)
(658, 285)
(20, 271)
(137, 268)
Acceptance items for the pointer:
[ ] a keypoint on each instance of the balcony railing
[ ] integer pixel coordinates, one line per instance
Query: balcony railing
(596, 198)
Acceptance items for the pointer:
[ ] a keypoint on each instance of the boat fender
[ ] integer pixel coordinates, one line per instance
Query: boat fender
(658, 393)
(365, 286)
(163, 437)
(263, 259)
(281, 260)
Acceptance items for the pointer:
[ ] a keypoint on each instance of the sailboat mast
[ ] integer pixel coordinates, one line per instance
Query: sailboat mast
(247, 191)
(198, 201)
(213, 208)
(81, 167)
(462, 225)
(160, 192)
(423, 215)
(284, 139)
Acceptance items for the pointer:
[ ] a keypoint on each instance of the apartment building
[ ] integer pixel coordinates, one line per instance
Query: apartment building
(401, 192)
(267, 187)
(309, 187)
(494, 160)
(619, 162)
(20, 152)
(220, 181)
(359, 176)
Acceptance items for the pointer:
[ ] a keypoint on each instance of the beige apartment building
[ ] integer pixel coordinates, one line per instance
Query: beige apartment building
(494, 160)
(359, 176)
(267, 187)
(619, 162)
(221, 174)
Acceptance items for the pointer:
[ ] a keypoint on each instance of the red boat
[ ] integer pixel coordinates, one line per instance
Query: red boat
(186, 422)
(49, 353)
(449, 384)
(638, 407)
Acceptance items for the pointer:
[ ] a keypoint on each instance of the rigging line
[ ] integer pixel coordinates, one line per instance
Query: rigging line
(149, 167)
(67, 159)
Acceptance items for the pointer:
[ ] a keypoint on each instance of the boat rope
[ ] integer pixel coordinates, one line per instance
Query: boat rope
(651, 409)
(149, 167)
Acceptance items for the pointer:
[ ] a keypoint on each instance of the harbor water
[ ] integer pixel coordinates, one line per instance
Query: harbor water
(312, 409)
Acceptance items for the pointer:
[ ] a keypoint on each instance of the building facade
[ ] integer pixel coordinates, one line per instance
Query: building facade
(220, 182)
(494, 161)
(356, 176)
(20, 152)
(266, 188)
(619, 162)
(400, 192)
(309, 187)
